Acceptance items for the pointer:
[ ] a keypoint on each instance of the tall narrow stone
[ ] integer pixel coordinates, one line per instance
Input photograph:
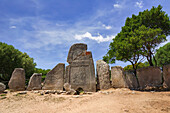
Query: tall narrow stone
(149, 76)
(103, 77)
(17, 81)
(35, 82)
(166, 75)
(80, 72)
(55, 78)
(118, 77)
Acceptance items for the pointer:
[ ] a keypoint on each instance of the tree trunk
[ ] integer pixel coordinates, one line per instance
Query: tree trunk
(134, 71)
(150, 58)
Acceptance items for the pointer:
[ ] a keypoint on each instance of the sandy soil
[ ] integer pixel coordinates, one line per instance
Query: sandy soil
(108, 101)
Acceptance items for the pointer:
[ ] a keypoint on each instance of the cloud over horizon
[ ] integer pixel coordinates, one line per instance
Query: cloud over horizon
(99, 38)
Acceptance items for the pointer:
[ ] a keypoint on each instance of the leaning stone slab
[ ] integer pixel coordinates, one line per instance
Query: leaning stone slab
(131, 80)
(166, 75)
(118, 77)
(103, 77)
(149, 77)
(80, 73)
(35, 82)
(55, 78)
(2, 87)
(17, 81)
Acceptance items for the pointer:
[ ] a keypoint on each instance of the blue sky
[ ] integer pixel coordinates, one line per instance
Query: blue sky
(45, 29)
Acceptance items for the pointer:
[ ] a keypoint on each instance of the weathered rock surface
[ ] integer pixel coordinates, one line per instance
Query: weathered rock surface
(166, 75)
(55, 78)
(131, 80)
(118, 77)
(75, 51)
(2, 87)
(17, 81)
(103, 77)
(35, 82)
(149, 77)
(67, 87)
(80, 72)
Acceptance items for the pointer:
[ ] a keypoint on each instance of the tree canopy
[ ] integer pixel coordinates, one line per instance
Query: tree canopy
(163, 55)
(11, 58)
(139, 37)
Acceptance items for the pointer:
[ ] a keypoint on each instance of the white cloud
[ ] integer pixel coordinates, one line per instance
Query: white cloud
(107, 27)
(12, 27)
(139, 4)
(117, 5)
(98, 38)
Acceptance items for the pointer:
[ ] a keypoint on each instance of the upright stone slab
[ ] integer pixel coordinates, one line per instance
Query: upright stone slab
(35, 82)
(166, 75)
(55, 78)
(131, 80)
(149, 76)
(2, 87)
(103, 77)
(17, 81)
(118, 77)
(80, 72)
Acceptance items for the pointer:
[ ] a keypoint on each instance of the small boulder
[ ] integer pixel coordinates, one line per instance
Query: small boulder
(71, 92)
(2, 87)
(67, 87)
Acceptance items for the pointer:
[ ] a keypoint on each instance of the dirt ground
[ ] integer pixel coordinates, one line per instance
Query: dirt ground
(108, 101)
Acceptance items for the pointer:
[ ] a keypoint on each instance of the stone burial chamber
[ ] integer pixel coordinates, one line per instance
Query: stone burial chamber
(80, 73)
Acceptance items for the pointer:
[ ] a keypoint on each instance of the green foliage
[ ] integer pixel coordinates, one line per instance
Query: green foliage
(43, 71)
(163, 55)
(12, 58)
(140, 65)
(139, 37)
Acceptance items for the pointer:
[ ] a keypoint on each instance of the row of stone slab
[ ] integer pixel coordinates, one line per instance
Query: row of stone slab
(17, 81)
(147, 77)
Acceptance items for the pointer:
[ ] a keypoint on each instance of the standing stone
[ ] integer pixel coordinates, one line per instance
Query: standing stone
(80, 73)
(166, 75)
(149, 76)
(103, 77)
(2, 87)
(131, 80)
(55, 78)
(17, 81)
(118, 77)
(35, 82)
